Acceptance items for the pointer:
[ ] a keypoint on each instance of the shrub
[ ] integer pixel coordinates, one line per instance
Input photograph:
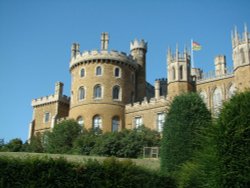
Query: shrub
(14, 145)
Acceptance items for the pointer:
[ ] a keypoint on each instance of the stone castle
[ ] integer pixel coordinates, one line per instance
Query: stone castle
(109, 88)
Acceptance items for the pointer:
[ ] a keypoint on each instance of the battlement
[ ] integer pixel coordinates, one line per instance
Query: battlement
(50, 99)
(177, 56)
(146, 104)
(238, 39)
(95, 55)
(138, 44)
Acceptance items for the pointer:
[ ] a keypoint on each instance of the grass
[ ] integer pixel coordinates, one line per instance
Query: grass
(153, 164)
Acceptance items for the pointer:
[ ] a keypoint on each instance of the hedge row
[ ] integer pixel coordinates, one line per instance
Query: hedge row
(48, 172)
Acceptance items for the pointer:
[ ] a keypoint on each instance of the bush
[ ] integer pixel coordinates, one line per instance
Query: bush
(48, 172)
(14, 145)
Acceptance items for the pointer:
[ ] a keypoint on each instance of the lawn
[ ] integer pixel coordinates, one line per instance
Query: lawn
(153, 164)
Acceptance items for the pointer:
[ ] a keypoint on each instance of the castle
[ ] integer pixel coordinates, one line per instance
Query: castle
(109, 88)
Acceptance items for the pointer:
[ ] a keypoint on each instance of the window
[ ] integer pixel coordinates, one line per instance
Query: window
(117, 72)
(97, 122)
(80, 120)
(82, 73)
(217, 100)
(97, 92)
(46, 117)
(160, 121)
(181, 72)
(81, 93)
(173, 73)
(138, 122)
(116, 92)
(115, 124)
(204, 97)
(231, 91)
(98, 71)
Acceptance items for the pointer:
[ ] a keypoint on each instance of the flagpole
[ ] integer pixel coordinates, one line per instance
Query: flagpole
(192, 54)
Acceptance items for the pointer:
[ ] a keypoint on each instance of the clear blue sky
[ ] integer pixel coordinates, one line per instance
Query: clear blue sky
(36, 36)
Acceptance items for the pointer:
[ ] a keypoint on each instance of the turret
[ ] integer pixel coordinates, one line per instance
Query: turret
(59, 89)
(241, 57)
(104, 41)
(138, 50)
(179, 72)
(220, 65)
(75, 50)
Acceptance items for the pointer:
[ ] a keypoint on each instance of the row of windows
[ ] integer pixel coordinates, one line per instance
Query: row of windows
(97, 92)
(99, 71)
(138, 122)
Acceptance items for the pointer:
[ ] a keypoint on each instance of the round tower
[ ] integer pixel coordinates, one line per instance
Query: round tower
(138, 50)
(179, 73)
(241, 58)
(102, 84)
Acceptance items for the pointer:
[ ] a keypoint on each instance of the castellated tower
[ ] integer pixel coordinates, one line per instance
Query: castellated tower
(138, 50)
(103, 82)
(241, 58)
(179, 73)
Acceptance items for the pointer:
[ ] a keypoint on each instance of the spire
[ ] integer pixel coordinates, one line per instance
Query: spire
(169, 55)
(177, 52)
(245, 33)
(104, 41)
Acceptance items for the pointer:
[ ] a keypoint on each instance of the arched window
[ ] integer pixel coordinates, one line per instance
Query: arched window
(80, 120)
(98, 71)
(217, 100)
(173, 73)
(181, 72)
(81, 93)
(97, 92)
(160, 121)
(82, 73)
(117, 72)
(203, 95)
(116, 92)
(115, 123)
(97, 122)
(231, 91)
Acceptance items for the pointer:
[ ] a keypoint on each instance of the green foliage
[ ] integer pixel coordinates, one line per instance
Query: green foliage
(233, 141)
(185, 121)
(61, 139)
(47, 172)
(14, 145)
(36, 144)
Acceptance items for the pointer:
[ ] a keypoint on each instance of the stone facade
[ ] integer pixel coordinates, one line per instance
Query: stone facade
(109, 88)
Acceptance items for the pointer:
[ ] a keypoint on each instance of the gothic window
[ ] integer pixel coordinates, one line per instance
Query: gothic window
(80, 120)
(231, 91)
(116, 92)
(81, 93)
(203, 95)
(173, 73)
(97, 122)
(117, 72)
(46, 117)
(98, 71)
(97, 92)
(138, 122)
(181, 72)
(115, 123)
(82, 73)
(160, 121)
(217, 100)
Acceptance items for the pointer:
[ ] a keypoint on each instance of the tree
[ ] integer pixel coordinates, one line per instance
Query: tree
(233, 141)
(61, 139)
(185, 120)
(14, 145)
(36, 144)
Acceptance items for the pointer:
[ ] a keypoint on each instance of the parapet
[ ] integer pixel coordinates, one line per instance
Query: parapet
(95, 56)
(50, 99)
(136, 44)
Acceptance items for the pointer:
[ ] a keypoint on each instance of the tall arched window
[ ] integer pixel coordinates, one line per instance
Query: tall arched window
(97, 91)
(117, 72)
(231, 91)
(80, 120)
(81, 93)
(82, 73)
(173, 73)
(116, 92)
(115, 123)
(217, 100)
(97, 122)
(203, 95)
(98, 71)
(181, 72)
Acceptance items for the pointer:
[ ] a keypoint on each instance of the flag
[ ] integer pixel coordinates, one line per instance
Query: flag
(196, 46)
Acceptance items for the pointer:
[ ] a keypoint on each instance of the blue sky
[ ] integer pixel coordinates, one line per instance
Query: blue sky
(36, 36)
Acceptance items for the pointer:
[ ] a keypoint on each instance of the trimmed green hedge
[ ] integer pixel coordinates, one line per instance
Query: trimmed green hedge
(48, 172)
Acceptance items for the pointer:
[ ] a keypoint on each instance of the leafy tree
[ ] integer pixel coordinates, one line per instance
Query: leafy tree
(233, 141)
(14, 145)
(61, 139)
(185, 121)
(36, 144)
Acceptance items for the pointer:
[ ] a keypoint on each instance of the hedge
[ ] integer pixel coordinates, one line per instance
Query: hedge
(48, 172)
